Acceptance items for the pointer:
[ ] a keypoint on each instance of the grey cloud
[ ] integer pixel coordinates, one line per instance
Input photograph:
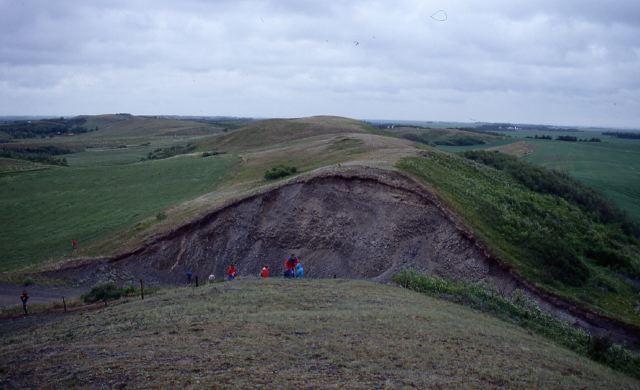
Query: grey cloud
(490, 60)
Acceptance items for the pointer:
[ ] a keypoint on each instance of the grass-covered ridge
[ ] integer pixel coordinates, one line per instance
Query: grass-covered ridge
(545, 238)
(525, 313)
(290, 334)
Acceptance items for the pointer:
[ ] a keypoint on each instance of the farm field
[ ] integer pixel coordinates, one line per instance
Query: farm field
(44, 210)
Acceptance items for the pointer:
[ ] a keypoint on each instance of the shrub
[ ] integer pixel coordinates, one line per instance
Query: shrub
(129, 290)
(162, 153)
(103, 292)
(28, 281)
(546, 181)
(608, 257)
(161, 215)
(280, 171)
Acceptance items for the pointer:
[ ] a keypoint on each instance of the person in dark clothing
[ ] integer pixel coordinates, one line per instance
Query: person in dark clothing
(189, 275)
(290, 266)
(24, 297)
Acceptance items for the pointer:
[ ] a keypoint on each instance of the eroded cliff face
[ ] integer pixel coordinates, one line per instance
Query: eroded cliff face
(350, 227)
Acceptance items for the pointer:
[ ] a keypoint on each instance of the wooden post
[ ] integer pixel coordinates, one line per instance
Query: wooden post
(196, 280)
(64, 304)
(141, 290)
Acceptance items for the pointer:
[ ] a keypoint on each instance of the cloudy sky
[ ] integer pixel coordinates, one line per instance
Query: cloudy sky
(549, 61)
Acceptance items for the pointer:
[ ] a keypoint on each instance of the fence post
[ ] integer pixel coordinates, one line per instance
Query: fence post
(64, 304)
(141, 290)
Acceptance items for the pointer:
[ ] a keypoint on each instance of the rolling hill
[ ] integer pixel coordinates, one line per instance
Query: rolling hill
(363, 204)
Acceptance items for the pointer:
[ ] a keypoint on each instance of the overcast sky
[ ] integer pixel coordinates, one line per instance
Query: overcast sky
(547, 61)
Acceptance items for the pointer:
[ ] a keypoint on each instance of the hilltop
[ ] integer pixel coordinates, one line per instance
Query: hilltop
(311, 333)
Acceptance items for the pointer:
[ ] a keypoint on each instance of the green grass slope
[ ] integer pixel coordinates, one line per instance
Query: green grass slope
(130, 126)
(549, 240)
(268, 133)
(289, 334)
(43, 210)
(611, 166)
(445, 137)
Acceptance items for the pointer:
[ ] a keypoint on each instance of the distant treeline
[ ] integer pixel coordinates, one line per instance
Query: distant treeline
(454, 140)
(45, 128)
(161, 153)
(623, 134)
(501, 127)
(40, 154)
(567, 138)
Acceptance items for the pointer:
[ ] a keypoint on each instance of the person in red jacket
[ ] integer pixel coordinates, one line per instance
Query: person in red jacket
(232, 272)
(265, 272)
(290, 266)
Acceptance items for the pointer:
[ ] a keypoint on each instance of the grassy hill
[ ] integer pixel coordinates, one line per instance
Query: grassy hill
(129, 126)
(288, 334)
(271, 132)
(110, 201)
(444, 137)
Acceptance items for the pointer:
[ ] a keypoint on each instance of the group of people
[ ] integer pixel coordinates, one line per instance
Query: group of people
(292, 269)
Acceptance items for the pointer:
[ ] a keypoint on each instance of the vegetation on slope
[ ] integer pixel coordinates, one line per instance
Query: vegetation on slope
(611, 166)
(446, 137)
(161, 153)
(547, 239)
(281, 333)
(525, 313)
(557, 183)
(34, 153)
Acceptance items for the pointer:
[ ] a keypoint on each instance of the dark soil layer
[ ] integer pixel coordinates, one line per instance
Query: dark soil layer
(363, 224)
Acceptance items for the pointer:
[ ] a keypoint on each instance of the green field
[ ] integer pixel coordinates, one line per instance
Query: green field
(289, 334)
(612, 166)
(44, 210)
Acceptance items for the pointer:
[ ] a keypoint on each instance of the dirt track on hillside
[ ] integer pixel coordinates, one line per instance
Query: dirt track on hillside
(357, 223)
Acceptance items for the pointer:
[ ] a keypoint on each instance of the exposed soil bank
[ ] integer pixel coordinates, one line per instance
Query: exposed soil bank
(361, 223)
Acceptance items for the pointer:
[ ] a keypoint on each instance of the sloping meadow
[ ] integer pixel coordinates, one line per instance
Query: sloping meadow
(555, 239)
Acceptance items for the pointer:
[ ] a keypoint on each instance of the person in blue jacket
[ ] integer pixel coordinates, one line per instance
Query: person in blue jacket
(299, 271)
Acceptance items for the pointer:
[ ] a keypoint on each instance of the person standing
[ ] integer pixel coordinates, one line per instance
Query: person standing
(24, 297)
(299, 271)
(290, 266)
(232, 272)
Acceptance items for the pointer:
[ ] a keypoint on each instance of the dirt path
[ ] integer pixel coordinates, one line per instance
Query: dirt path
(10, 293)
